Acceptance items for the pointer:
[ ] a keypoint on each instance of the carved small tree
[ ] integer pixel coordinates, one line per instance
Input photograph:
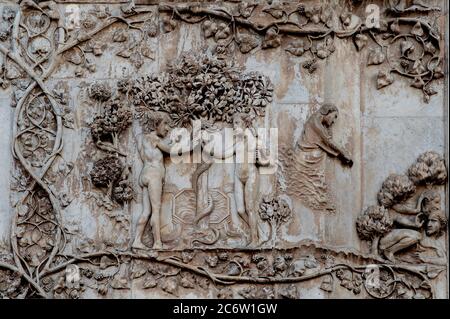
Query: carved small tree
(106, 127)
(429, 169)
(374, 222)
(106, 172)
(275, 211)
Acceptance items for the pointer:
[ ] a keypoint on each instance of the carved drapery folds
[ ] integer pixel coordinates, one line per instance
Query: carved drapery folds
(38, 39)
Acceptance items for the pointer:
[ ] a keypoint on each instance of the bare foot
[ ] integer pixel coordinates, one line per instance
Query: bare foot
(157, 245)
(233, 232)
(138, 245)
(389, 256)
(253, 244)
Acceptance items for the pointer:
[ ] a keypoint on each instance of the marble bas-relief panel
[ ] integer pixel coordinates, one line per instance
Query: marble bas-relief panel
(223, 149)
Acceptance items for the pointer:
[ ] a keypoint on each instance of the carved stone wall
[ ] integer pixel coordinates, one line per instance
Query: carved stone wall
(351, 202)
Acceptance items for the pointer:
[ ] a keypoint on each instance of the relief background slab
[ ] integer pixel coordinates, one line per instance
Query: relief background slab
(384, 131)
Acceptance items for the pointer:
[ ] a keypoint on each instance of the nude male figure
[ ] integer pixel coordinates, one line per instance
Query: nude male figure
(152, 148)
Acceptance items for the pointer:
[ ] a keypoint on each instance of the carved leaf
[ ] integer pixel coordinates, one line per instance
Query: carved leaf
(275, 11)
(246, 9)
(417, 29)
(75, 57)
(418, 67)
(12, 72)
(384, 78)
(271, 39)
(327, 283)
(247, 43)
(418, 82)
(395, 27)
(120, 35)
(147, 52)
(406, 48)
(360, 41)
(168, 24)
(376, 56)
(430, 48)
(150, 282)
(125, 53)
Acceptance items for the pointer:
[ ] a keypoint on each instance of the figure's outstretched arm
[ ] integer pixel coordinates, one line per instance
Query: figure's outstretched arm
(209, 149)
(405, 209)
(407, 222)
(168, 147)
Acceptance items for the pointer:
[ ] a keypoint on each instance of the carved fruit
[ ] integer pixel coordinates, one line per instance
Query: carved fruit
(223, 32)
(271, 39)
(326, 15)
(209, 28)
(313, 14)
(384, 78)
(297, 48)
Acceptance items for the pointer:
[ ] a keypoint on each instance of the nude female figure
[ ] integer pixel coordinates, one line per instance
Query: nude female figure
(246, 175)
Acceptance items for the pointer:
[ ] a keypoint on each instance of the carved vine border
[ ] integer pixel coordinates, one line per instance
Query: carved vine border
(46, 55)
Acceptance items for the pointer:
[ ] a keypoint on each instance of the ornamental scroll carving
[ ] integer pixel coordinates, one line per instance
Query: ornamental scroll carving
(222, 222)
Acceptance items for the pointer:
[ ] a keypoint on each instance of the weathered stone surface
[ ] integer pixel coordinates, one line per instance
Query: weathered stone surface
(347, 200)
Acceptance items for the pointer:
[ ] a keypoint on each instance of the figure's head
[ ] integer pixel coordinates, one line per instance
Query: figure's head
(431, 201)
(159, 122)
(436, 223)
(329, 114)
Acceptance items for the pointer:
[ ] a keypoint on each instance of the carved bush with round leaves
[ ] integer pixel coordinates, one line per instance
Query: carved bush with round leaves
(395, 189)
(428, 169)
(106, 171)
(374, 221)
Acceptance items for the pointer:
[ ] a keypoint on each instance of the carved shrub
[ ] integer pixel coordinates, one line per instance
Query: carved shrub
(428, 169)
(395, 189)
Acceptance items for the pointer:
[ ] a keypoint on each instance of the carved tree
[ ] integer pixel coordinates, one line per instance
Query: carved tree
(275, 211)
(107, 126)
(395, 189)
(106, 172)
(198, 87)
(429, 169)
(373, 223)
